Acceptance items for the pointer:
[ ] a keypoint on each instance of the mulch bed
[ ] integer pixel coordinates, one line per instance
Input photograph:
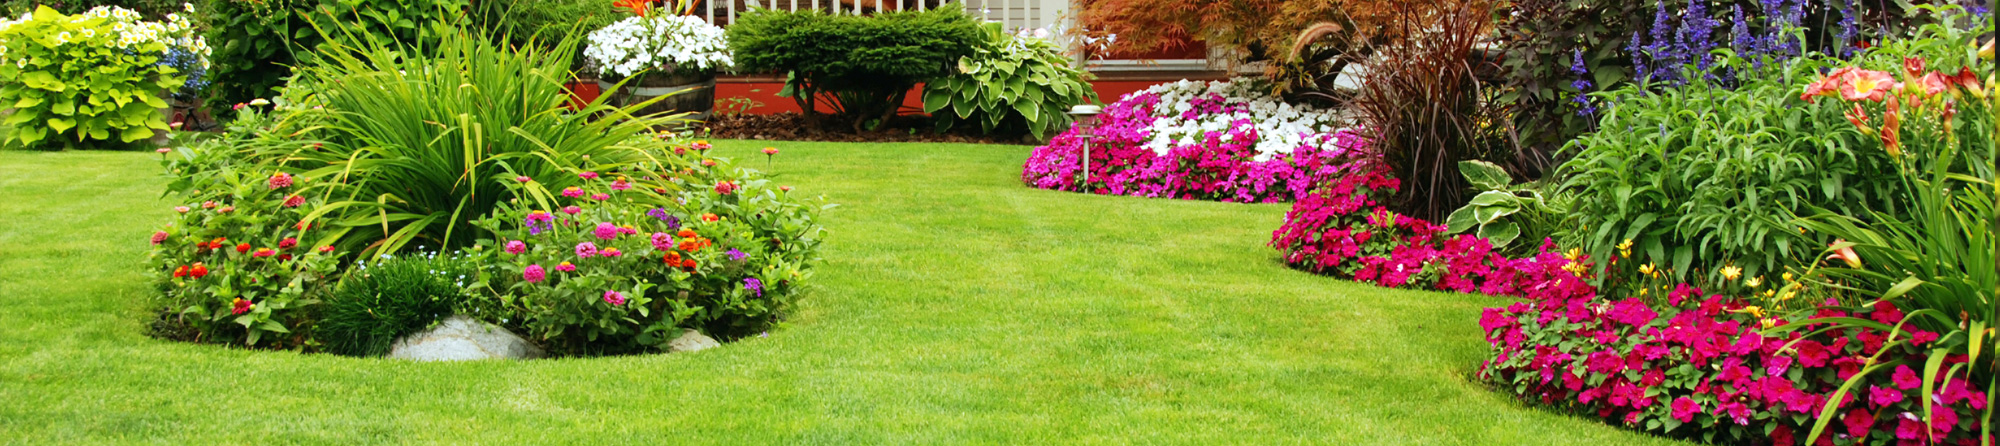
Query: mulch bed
(791, 126)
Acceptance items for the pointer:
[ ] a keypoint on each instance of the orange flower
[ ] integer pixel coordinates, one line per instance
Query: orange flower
(1866, 85)
(1892, 125)
(1934, 83)
(1859, 117)
(686, 233)
(638, 7)
(198, 271)
(710, 217)
(1913, 67)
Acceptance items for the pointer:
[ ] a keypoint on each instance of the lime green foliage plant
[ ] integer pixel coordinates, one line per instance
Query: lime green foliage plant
(859, 66)
(1012, 81)
(392, 298)
(88, 80)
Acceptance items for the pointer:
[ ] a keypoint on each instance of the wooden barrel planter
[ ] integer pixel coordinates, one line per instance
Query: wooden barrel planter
(685, 93)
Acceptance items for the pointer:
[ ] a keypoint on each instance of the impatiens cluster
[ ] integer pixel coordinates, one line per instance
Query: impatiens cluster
(1211, 147)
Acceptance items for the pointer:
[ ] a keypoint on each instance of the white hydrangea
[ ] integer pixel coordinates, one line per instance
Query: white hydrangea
(1281, 127)
(661, 42)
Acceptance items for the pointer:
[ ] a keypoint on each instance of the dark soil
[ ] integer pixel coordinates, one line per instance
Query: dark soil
(791, 126)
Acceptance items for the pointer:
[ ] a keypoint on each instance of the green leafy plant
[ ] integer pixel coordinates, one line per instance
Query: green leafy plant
(1504, 212)
(389, 299)
(859, 66)
(407, 139)
(1017, 81)
(256, 44)
(87, 80)
(234, 264)
(544, 23)
(1705, 175)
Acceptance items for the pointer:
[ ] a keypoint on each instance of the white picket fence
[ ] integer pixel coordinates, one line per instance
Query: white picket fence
(1016, 14)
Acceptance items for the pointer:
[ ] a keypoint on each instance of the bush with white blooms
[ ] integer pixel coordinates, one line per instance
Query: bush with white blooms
(662, 42)
(1189, 110)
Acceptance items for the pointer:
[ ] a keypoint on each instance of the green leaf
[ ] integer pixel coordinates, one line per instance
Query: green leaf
(1485, 175)
(61, 124)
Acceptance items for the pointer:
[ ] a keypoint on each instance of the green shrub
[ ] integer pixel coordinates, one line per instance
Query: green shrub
(259, 41)
(390, 299)
(237, 263)
(407, 140)
(859, 66)
(1010, 82)
(154, 9)
(544, 23)
(89, 80)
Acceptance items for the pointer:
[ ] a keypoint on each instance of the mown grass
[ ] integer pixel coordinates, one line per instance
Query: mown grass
(954, 306)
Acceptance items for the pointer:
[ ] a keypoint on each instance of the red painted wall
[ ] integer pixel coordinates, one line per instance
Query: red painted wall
(766, 93)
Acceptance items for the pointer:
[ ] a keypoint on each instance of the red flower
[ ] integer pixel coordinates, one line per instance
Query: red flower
(328, 248)
(710, 217)
(294, 200)
(1913, 66)
(242, 247)
(288, 243)
(284, 257)
(638, 7)
(280, 180)
(240, 306)
(181, 272)
(1866, 85)
(1934, 83)
(159, 237)
(688, 263)
(198, 271)
(264, 252)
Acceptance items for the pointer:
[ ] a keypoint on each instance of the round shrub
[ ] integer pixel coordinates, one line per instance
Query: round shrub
(390, 299)
(611, 267)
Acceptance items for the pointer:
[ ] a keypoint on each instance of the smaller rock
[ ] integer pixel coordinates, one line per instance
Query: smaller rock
(691, 340)
(460, 338)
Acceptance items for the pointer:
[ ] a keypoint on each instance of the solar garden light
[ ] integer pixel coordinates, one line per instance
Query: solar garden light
(1084, 117)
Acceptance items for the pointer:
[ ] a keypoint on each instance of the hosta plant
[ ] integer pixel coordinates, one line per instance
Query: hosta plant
(1504, 212)
(1014, 80)
(93, 79)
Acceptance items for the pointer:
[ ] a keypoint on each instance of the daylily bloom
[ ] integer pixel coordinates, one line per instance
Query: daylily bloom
(1913, 66)
(1934, 83)
(1845, 255)
(1866, 85)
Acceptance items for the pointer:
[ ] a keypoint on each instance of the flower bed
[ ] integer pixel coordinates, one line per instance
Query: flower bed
(1208, 141)
(1687, 366)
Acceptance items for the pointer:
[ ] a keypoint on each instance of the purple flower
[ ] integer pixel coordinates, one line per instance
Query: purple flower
(614, 297)
(533, 274)
(539, 221)
(661, 213)
(516, 247)
(753, 285)
(737, 255)
(586, 249)
(606, 231)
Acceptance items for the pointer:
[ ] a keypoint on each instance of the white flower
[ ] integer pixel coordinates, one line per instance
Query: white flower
(667, 43)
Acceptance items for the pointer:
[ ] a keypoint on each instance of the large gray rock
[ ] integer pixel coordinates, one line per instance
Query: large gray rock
(461, 338)
(691, 340)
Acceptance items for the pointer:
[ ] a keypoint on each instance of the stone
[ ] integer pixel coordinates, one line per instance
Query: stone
(691, 340)
(460, 338)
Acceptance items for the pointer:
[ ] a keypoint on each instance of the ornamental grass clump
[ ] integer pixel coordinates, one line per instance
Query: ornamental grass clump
(1425, 104)
(391, 298)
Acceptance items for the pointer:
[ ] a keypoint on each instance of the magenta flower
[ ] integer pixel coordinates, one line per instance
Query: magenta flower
(1905, 378)
(737, 255)
(1908, 428)
(534, 274)
(1685, 408)
(571, 210)
(1880, 396)
(606, 231)
(565, 267)
(159, 237)
(586, 249)
(539, 221)
(280, 181)
(516, 247)
(572, 192)
(620, 184)
(587, 175)
(753, 285)
(610, 252)
(614, 297)
(523, 179)
(662, 241)
(600, 197)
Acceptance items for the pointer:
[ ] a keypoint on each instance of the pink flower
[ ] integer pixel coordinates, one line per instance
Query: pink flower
(586, 249)
(606, 231)
(163, 150)
(288, 243)
(572, 210)
(572, 192)
(523, 179)
(770, 150)
(1905, 378)
(565, 267)
(1908, 428)
(725, 188)
(159, 237)
(600, 197)
(294, 201)
(614, 297)
(662, 241)
(181, 209)
(620, 184)
(534, 274)
(1858, 422)
(1880, 396)
(516, 247)
(1685, 408)
(264, 252)
(587, 175)
(610, 252)
(280, 181)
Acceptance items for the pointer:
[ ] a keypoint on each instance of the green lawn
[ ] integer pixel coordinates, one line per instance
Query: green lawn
(954, 306)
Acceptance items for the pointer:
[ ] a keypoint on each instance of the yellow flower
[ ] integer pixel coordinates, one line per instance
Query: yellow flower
(1754, 282)
(1573, 254)
(1788, 276)
(1768, 323)
(1731, 272)
(1754, 310)
(1625, 248)
(1642, 291)
(1574, 268)
(1769, 293)
(1647, 269)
